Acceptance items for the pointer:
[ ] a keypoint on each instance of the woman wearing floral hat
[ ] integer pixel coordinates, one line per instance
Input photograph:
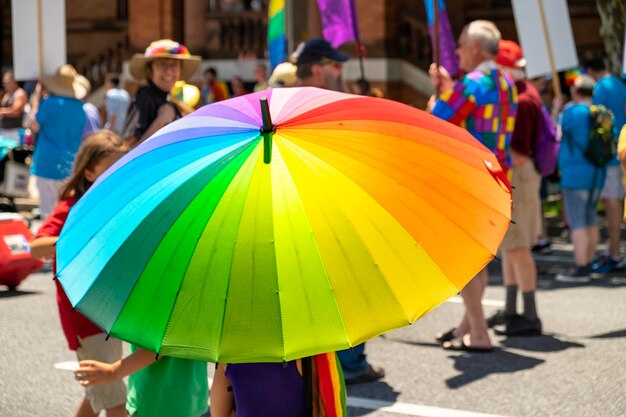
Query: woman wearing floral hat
(162, 64)
(158, 386)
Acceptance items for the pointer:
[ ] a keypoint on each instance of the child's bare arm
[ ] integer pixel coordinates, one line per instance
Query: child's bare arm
(222, 401)
(43, 247)
(94, 372)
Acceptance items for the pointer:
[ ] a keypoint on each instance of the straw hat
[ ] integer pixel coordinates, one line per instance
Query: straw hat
(164, 48)
(284, 75)
(67, 82)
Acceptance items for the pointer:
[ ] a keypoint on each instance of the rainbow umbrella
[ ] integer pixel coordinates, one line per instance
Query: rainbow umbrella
(241, 235)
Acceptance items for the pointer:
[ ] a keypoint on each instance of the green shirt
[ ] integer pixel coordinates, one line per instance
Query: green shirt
(170, 387)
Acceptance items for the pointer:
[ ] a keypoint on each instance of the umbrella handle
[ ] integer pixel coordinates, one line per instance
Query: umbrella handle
(267, 130)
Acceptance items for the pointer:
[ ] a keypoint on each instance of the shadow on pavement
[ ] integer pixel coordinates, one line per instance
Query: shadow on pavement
(16, 293)
(414, 343)
(379, 390)
(479, 365)
(543, 343)
(610, 335)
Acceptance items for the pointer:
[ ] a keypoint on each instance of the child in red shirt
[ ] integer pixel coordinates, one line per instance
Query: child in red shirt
(97, 153)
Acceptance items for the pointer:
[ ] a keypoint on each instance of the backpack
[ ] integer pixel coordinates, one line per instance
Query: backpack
(602, 147)
(546, 152)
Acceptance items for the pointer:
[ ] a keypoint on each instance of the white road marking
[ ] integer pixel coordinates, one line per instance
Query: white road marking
(408, 409)
(489, 303)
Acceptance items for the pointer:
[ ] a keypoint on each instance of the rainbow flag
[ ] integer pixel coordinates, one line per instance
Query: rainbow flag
(447, 42)
(332, 387)
(276, 39)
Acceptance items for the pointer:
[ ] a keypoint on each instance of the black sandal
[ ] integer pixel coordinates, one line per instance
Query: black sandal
(447, 336)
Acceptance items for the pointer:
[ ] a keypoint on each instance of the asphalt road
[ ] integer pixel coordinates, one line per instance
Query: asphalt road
(578, 368)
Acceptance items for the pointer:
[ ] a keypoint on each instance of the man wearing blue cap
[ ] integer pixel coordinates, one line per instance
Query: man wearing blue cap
(320, 65)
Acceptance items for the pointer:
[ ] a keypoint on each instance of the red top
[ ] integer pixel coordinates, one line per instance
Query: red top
(528, 119)
(74, 324)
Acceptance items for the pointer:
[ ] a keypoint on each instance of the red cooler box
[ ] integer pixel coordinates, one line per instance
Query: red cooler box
(15, 260)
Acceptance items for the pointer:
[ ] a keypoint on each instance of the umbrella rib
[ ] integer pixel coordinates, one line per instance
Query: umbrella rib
(219, 349)
(280, 319)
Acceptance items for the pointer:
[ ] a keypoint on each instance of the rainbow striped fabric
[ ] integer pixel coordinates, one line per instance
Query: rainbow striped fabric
(571, 75)
(331, 384)
(166, 47)
(276, 32)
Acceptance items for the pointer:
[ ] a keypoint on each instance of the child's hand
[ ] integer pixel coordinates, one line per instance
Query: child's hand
(94, 372)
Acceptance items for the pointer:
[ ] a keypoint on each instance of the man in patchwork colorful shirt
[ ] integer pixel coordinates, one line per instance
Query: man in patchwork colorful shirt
(484, 102)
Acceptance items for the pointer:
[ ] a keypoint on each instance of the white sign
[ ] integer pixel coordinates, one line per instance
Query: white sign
(533, 40)
(26, 39)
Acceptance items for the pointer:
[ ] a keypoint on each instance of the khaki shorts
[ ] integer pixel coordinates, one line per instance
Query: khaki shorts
(614, 183)
(526, 226)
(102, 396)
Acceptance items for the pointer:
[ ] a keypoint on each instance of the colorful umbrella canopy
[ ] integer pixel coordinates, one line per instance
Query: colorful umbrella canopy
(363, 215)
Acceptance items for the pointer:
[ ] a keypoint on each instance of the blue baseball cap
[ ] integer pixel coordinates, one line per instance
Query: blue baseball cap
(315, 50)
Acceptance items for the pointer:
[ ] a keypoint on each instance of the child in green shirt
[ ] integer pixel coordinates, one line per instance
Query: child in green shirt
(167, 386)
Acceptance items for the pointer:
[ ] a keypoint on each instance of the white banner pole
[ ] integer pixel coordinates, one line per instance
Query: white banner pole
(40, 37)
(556, 85)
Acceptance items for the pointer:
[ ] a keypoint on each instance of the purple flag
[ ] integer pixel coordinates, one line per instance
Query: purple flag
(339, 21)
(447, 43)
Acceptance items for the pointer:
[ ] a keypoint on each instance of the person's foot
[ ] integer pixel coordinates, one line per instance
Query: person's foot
(500, 317)
(606, 264)
(466, 344)
(447, 336)
(542, 247)
(575, 275)
(451, 345)
(371, 374)
(519, 326)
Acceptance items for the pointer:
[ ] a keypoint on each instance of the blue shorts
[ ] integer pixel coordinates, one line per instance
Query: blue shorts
(580, 207)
